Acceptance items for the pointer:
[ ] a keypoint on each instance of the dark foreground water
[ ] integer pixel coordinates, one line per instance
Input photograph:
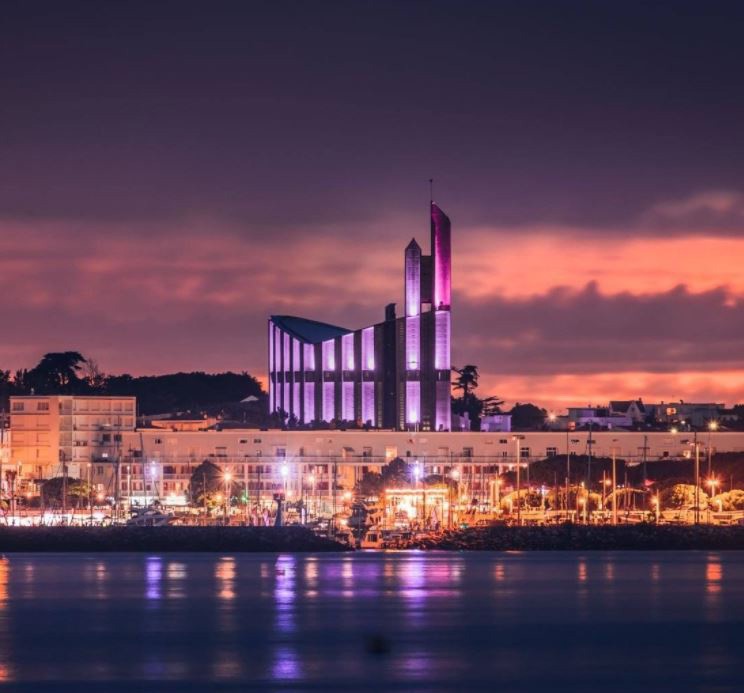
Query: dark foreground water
(372, 622)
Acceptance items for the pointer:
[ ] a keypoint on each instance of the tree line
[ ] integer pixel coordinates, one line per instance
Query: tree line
(71, 373)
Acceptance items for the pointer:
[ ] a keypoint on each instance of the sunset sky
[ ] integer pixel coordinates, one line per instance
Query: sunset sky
(171, 173)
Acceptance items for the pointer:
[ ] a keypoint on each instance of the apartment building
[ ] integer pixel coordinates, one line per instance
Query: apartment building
(77, 431)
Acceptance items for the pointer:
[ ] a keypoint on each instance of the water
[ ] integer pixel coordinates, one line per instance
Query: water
(372, 622)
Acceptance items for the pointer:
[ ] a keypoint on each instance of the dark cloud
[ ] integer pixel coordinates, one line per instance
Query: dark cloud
(568, 331)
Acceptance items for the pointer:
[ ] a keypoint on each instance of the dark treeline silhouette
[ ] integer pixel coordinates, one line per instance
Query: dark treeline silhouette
(71, 373)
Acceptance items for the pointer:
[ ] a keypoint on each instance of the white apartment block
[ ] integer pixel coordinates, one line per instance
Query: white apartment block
(77, 431)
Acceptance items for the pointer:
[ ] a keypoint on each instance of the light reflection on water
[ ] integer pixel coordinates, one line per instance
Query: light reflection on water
(373, 621)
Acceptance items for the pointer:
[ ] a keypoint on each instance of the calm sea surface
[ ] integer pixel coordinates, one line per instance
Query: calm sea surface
(372, 622)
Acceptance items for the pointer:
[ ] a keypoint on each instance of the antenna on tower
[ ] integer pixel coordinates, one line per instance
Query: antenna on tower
(431, 190)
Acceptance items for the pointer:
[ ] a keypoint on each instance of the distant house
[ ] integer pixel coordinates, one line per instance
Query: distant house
(632, 408)
(695, 414)
(495, 423)
(598, 417)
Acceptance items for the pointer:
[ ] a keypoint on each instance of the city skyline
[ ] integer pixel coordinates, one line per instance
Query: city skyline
(170, 193)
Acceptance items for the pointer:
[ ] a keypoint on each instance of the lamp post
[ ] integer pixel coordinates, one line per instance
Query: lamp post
(697, 480)
(228, 478)
(455, 474)
(311, 479)
(518, 441)
(614, 483)
(712, 426)
(712, 483)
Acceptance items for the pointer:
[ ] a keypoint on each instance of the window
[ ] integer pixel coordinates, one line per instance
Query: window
(366, 452)
(524, 452)
(42, 406)
(106, 437)
(467, 452)
(503, 441)
(18, 406)
(281, 452)
(99, 470)
(158, 441)
(551, 452)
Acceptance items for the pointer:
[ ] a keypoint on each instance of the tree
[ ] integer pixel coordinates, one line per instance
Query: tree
(468, 402)
(466, 380)
(93, 376)
(77, 491)
(527, 417)
(57, 373)
(397, 473)
(681, 496)
(206, 484)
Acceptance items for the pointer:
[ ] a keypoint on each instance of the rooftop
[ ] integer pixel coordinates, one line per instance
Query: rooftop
(309, 331)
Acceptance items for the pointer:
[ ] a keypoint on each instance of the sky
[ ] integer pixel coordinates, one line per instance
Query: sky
(172, 173)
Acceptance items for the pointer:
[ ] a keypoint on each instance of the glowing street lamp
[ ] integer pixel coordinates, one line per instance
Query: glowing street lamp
(227, 476)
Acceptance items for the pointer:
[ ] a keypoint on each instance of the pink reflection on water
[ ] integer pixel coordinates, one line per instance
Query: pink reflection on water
(285, 594)
(176, 574)
(713, 575)
(224, 571)
(286, 664)
(153, 575)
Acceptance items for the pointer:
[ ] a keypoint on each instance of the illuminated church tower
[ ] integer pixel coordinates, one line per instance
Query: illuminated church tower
(395, 374)
(424, 370)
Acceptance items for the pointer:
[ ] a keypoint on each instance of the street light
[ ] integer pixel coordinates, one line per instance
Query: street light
(712, 483)
(712, 426)
(228, 478)
(518, 440)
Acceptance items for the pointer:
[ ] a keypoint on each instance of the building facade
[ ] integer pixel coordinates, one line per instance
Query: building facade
(96, 438)
(54, 431)
(395, 374)
(327, 464)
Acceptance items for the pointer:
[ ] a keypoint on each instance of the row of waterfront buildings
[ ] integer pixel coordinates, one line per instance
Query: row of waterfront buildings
(391, 379)
(97, 439)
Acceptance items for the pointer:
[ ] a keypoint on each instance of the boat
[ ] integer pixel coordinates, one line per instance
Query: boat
(149, 518)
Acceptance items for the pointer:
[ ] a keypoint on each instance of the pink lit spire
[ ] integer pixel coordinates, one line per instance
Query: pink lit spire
(442, 261)
(413, 278)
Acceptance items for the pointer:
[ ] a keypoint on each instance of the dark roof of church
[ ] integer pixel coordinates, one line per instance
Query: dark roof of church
(310, 331)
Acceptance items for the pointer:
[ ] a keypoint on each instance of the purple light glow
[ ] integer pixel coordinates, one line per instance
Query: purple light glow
(329, 401)
(413, 401)
(347, 402)
(442, 340)
(440, 248)
(296, 354)
(329, 355)
(286, 354)
(368, 348)
(296, 400)
(347, 351)
(309, 356)
(272, 371)
(413, 278)
(442, 414)
(413, 343)
(368, 402)
(309, 408)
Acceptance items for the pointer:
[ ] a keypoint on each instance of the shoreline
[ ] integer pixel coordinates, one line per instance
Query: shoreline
(571, 537)
(295, 539)
(165, 539)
